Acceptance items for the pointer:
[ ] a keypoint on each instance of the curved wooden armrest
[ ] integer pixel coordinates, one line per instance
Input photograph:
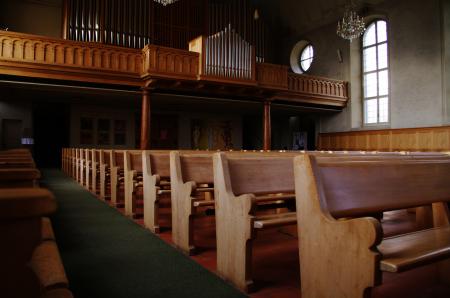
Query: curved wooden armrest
(26, 202)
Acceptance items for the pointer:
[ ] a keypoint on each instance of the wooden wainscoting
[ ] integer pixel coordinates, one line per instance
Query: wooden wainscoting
(408, 139)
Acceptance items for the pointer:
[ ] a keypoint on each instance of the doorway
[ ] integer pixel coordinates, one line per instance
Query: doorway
(51, 133)
(12, 133)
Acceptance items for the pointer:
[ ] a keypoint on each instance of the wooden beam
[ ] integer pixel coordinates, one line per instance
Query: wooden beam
(267, 127)
(145, 120)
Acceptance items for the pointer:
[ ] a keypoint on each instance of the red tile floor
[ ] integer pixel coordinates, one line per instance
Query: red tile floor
(276, 262)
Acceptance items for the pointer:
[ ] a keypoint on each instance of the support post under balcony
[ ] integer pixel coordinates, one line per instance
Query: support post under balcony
(145, 120)
(267, 127)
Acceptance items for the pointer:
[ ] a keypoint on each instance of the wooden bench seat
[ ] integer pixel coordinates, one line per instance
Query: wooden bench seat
(275, 220)
(336, 200)
(403, 252)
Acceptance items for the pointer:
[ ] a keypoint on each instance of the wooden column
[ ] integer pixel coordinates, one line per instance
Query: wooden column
(267, 127)
(145, 120)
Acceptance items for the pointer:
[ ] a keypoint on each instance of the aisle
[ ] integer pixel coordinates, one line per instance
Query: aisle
(107, 255)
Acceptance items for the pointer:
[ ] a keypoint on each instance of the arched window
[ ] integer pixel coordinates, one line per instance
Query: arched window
(376, 73)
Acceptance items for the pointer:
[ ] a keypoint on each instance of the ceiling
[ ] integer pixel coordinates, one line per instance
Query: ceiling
(305, 15)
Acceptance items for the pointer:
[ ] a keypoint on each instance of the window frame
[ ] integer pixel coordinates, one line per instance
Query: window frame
(376, 71)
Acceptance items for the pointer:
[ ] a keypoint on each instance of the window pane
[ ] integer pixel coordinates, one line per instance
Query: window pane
(370, 59)
(306, 64)
(306, 57)
(307, 53)
(382, 56)
(369, 36)
(370, 85)
(381, 31)
(383, 108)
(371, 111)
(383, 83)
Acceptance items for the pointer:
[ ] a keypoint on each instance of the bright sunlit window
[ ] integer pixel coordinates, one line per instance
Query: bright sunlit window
(376, 73)
(306, 57)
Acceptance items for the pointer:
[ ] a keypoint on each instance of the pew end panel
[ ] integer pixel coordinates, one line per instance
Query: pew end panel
(237, 180)
(155, 165)
(185, 172)
(337, 202)
(355, 238)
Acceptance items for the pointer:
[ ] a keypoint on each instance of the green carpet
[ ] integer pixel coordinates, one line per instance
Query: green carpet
(107, 255)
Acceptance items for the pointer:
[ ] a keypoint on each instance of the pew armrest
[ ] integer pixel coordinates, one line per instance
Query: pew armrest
(47, 230)
(18, 203)
(47, 265)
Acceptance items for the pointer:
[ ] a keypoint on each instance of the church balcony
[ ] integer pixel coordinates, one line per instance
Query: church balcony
(208, 69)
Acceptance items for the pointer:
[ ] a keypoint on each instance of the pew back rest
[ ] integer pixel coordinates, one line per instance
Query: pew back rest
(260, 173)
(363, 187)
(117, 158)
(160, 163)
(106, 157)
(97, 153)
(197, 167)
(135, 161)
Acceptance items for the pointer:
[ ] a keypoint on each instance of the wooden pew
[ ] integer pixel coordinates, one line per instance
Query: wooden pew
(105, 174)
(243, 183)
(95, 168)
(191, 177)
(82, 167)
(335, 201)
(117, 168)
(73, 163)
(19, 177)
(31, 265)
(88, 169)
(78, 165)
(156, 186)
(133, 181)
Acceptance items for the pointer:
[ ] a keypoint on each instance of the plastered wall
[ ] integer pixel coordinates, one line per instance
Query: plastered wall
(41, 17)
(419, 65)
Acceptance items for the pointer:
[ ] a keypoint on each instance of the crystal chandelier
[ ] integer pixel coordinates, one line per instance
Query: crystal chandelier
(165, 2)
(352, 25)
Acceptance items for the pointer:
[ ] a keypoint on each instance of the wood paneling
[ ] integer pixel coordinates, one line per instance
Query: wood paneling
(169, 63)
(409, 139)
(272, 76)
(40, 56)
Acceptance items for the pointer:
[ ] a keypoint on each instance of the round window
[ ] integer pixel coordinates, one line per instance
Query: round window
(302, 56)
(306, 57)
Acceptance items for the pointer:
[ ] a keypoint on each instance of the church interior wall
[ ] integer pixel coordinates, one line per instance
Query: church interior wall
(41, 17)
(417, 96)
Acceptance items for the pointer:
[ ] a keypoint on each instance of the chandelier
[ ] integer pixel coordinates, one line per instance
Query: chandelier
(352, 25)
(165, 2)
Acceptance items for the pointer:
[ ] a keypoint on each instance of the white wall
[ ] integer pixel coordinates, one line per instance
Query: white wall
(416, 47)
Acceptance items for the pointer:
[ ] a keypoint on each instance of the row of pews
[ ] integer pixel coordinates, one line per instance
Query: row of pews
(30, 262)
(336, 199)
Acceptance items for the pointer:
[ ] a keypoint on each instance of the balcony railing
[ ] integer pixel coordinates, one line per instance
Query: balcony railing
(50, 58)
